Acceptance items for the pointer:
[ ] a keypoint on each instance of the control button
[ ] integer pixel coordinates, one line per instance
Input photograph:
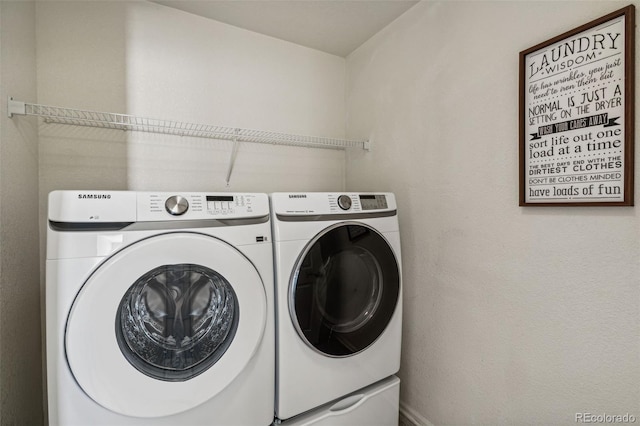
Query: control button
(176, 205)
(344, 201)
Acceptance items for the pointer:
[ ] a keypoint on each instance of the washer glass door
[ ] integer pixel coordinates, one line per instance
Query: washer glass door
(165, 324)
(344, 289)
(176, 321)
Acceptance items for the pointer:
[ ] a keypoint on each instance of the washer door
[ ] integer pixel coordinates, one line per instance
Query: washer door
(344, 289)
(165, 324)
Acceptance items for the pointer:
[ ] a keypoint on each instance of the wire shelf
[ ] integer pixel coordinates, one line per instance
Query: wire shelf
(109, 120)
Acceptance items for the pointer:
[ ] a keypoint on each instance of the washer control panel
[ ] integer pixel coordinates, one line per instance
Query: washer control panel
(195, 206)
(132, 206)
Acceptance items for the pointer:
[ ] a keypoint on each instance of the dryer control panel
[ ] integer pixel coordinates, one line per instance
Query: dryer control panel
(328, 203)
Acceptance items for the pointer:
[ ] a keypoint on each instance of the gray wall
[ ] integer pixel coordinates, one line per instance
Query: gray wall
(20, 324)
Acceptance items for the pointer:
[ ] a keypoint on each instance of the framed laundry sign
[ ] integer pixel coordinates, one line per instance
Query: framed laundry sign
(577, 115)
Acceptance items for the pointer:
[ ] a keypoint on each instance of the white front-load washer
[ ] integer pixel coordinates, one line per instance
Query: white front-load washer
(159, 309)
(338, 295)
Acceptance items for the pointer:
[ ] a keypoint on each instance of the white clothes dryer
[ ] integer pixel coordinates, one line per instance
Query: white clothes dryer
(159, 309)
(338, 295)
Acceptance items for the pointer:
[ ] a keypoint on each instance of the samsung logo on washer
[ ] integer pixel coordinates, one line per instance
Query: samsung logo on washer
(94, 196)
(297, 196)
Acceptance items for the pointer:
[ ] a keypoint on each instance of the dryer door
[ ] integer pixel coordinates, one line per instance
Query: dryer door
(344, 289)
(165, 324)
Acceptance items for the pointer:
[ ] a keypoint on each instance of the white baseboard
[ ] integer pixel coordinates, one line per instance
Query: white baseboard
(409, 417)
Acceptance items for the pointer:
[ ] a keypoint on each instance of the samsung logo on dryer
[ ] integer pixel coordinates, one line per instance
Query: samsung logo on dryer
(94, 196)
(297, 196)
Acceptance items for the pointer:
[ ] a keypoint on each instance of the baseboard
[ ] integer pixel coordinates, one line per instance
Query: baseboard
(409, 417)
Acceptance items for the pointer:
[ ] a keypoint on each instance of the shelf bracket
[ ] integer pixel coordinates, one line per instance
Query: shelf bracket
(16, 107)
(232, 159)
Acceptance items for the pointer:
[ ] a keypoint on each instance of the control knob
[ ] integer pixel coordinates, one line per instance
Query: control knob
(344, 202)
(176, 205)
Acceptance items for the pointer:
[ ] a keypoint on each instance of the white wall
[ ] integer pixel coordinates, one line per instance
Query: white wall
(145, 59)
(512, 315)
(20, 340)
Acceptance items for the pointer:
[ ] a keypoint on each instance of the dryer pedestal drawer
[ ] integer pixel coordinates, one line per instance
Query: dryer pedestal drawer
(375, 405)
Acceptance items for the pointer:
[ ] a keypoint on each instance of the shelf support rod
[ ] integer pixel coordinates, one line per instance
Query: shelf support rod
(234, 153)
(107, 120)
(15, 107)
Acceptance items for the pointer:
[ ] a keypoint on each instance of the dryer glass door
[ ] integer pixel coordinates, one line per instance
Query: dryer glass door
(344, 289)
(165, 324)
